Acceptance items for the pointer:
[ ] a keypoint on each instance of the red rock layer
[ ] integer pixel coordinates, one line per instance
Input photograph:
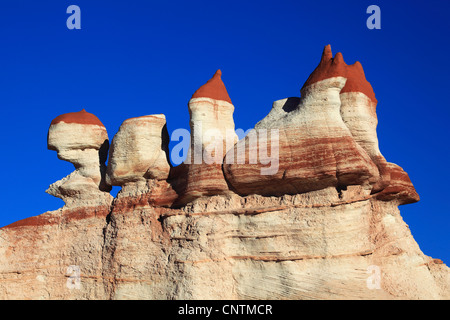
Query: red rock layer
(400, 187)
(385, 175)
(52, 218)
(214, 89)
(330, 67)
(161, 195)
(305, 164)
(191, 181)
(80, 117)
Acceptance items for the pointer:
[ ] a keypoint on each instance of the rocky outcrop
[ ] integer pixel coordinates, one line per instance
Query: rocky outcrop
(305, 207)
(400, 188)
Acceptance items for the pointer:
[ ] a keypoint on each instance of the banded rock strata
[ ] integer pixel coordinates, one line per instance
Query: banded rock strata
(314, 229)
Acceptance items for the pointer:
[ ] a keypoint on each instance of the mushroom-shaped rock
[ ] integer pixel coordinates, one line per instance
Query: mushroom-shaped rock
(75, 131)
(212, 135)
(80, 138)
(139, 151)
(316, 149)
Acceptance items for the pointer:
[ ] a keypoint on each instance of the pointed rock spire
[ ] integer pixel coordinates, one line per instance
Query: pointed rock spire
(327, 54)
(213, 89)
(330, 67)
(339, 59)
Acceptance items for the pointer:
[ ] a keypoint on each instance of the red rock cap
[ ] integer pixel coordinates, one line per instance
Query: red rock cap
(213, 89)
(81, 117)
(330, 67)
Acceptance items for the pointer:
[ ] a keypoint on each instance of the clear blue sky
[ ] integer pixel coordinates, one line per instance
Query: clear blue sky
(140, 57)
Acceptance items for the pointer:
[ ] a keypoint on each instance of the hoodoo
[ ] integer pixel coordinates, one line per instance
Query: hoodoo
(81, 139)
(316, 148)
(212, 134)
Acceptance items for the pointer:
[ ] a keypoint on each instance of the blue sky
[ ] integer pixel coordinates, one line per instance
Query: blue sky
(141, 57)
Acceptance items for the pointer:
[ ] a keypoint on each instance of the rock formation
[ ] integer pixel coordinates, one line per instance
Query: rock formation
(305, 207)
(139, 162)
(316, 148)
(81, 139)
(139, 151)
(212, 134)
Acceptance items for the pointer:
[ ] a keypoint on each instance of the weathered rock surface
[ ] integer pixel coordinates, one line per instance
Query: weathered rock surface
(324, 225)
(310, 246)
(400, 187)
(37, 254)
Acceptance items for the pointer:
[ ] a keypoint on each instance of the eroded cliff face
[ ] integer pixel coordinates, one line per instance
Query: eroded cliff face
(324, 225)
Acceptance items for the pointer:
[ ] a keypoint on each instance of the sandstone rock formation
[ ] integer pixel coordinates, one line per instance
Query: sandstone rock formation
(212, 134)
(316, 148)
(81, 139)
(325, 138)
(139, 150)
(324, 225)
